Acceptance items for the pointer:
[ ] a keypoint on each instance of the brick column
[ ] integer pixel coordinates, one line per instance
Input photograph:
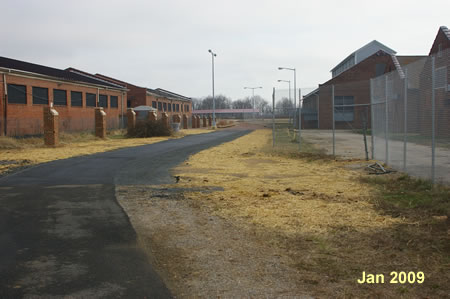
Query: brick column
(176, 118)
(51, 126)
(100, 122)
(152, 116)
(131, 118)
(197, 123)
(209, 121)
(204, 121)
(185, 122)
(194, 122)
(165, 119)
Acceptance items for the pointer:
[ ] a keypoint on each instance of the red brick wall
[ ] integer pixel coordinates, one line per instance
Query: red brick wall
(353, 82)
(441, 39)
(26, 119)
(137, 96)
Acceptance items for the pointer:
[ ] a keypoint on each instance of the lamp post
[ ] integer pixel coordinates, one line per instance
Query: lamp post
(214, 100)
(288, 81)
(295, 85)
(253, 96)
(290, 101)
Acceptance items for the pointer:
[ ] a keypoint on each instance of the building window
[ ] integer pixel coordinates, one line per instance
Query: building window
(169, 106)
(178, 107)
(59, 97)
(40, 95)
(154, 104)
(173, 107)
(159, 106)
(17, 94)
(342, 112)
(103, 101)
(76, 99)
(91, 100)
(187, 108)
(165, 107)
(114, 102)
(128, 103)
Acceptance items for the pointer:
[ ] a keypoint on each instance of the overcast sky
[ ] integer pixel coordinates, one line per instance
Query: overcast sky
(165, 43)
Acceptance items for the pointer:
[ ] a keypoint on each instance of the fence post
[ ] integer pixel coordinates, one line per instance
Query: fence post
(131, 118)
(273, 117)
(299, 119)
(318, 111)
(386, 120)
(332, 111)
(405, 118)
(433, 116)
(372, 120)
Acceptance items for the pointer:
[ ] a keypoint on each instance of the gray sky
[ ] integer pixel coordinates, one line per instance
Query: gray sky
(165, 43)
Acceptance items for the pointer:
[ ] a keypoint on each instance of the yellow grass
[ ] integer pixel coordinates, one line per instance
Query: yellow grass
(321, 215)
(31, 151)
(259, 187)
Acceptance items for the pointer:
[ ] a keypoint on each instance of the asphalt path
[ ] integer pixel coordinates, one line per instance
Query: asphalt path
(63, 234)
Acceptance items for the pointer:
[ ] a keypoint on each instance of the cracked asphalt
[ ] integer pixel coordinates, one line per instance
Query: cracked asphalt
(63, 234)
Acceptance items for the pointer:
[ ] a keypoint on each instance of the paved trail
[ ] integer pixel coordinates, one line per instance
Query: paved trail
(62, 232)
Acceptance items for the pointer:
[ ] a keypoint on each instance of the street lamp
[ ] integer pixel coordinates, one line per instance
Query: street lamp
(288, 81)
(253, 96)
(295, 85)
(214, 100)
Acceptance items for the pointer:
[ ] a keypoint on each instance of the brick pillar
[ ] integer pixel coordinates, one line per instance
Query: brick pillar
(165, 119)
(100, 122)
(197, 124)
(152, 115)
(185, 122)
(51, 126)
(209, 121)
(131, 118)
(194, 122)
(204, 121)
(176, 118)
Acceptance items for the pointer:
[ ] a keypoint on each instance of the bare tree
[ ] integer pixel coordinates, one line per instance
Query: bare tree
(221, 101)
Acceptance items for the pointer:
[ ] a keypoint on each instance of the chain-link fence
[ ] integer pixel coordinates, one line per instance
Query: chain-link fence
(401, 118)
(411, 118)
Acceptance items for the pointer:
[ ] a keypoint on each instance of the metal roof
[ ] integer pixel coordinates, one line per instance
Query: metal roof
(64, 75)
(376, 44)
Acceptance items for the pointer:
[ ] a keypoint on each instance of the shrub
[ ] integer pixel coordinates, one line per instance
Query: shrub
(149, 128)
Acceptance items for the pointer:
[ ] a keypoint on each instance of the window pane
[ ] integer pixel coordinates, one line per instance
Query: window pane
(103, 101)
(169, 106)
(17, 94)
(59, 97)
(114, 102)
(165, 106)
(154, 104)
(76, 99)
(91, 99)
(159, 106)
(40, 95)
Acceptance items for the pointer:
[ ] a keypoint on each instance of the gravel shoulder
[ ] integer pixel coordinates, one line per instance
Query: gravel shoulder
(199, 254)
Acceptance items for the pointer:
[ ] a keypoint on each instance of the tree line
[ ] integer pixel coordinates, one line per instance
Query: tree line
(224, 102)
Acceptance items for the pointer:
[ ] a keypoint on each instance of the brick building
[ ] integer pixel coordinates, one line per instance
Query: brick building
(351, 83)
(160, 99)
(26, 88)
(439, 55)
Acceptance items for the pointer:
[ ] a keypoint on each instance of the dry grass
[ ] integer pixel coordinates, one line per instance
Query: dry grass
(17, 153)
(323, 216)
